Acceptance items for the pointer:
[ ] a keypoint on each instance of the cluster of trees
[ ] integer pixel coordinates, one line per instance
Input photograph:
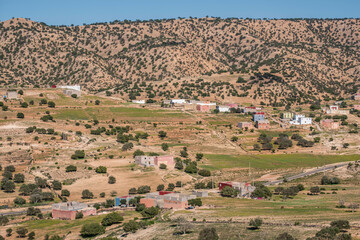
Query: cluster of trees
(8, 181)
(289, 192)
(140, 190)
(325, 180)
(283, 141)
(79, 154)
(301, 141)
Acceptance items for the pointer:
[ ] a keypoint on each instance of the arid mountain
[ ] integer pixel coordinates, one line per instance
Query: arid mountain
(275, 61)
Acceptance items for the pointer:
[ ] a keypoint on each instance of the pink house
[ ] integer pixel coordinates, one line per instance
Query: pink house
(68, 210)
(203, 108)
(262, 124)
(357, 107)
(329, 123)
(167, 160)
(245, 125)
(232, 105)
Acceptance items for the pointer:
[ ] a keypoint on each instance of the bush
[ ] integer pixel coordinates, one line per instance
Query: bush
(195, 202)
(101, 169)
(20, 115)
(19, 201)
(92, 229)
(79, 154)
(3, 220)
(325, 180)
(65, 193)
(162, 166)
(340, 224)
(261, 192)
(131, 226)
(285, 236)
(79, 215)
(51, 104)
(143, 189)
(256, 223)
(19, 178)
(71, 168)
(86, 194)
(138, 153)
(150, 212)
(228, 192)
(160, 187)
(112, 218)
(204, 173)
(208, 234)
(21, 232)
(191, 168)
(9, 168)
(164, 146)
(56, 185)
(112, 180)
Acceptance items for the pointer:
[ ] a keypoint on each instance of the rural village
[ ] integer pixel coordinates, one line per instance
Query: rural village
(152, 130)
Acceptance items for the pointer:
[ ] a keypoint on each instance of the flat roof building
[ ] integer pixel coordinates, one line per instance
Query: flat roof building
(68, 210)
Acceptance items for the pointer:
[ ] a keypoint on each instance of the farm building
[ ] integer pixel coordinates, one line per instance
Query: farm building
(138, 101)
(356, 107)
(178, 101)
(68, 210)
(300, 119)
(70, 92)
(287, 115)
(258, 116)
(125, 199)
(154, 161)
(11, 94)
(169, 201)
(200, 193)
(223, 108)
(245, 125)
(167, 160)
(334, 109)
(262, 124)
(244, 189)
(330, 124)
(203, 108)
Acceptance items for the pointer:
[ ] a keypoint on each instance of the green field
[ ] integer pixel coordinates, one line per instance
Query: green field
(218, 161)
(107, 113)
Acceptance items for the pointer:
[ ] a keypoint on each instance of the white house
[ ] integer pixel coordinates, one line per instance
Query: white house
(178, 101)
(300, 119)
(138, 101)
(223, 108)
(75, 87)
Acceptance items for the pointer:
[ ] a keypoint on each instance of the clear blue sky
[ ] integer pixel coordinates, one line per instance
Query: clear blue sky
(89, 11)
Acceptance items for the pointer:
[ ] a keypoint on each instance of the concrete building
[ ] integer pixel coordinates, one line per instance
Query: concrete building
(127, 199)
(245, 125)
(251, 109)
(300, 119)
(68, 210)
(168, 201)
(70, 92)
(203, 108)
(138, 101)
(287, 115)
(244, 189)
(262, 124)
(330, 124)
(146, 161)
(200, 193)
(334, 109)
(258, 116)
(223, 108)
(11, 94)
(167, 102)
(178, 101)
(155, 161)
(71, 87)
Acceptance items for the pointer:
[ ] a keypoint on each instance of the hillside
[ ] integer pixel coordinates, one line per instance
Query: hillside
(275, 61)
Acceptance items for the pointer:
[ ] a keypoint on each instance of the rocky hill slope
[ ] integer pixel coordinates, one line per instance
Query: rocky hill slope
(275, 61)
